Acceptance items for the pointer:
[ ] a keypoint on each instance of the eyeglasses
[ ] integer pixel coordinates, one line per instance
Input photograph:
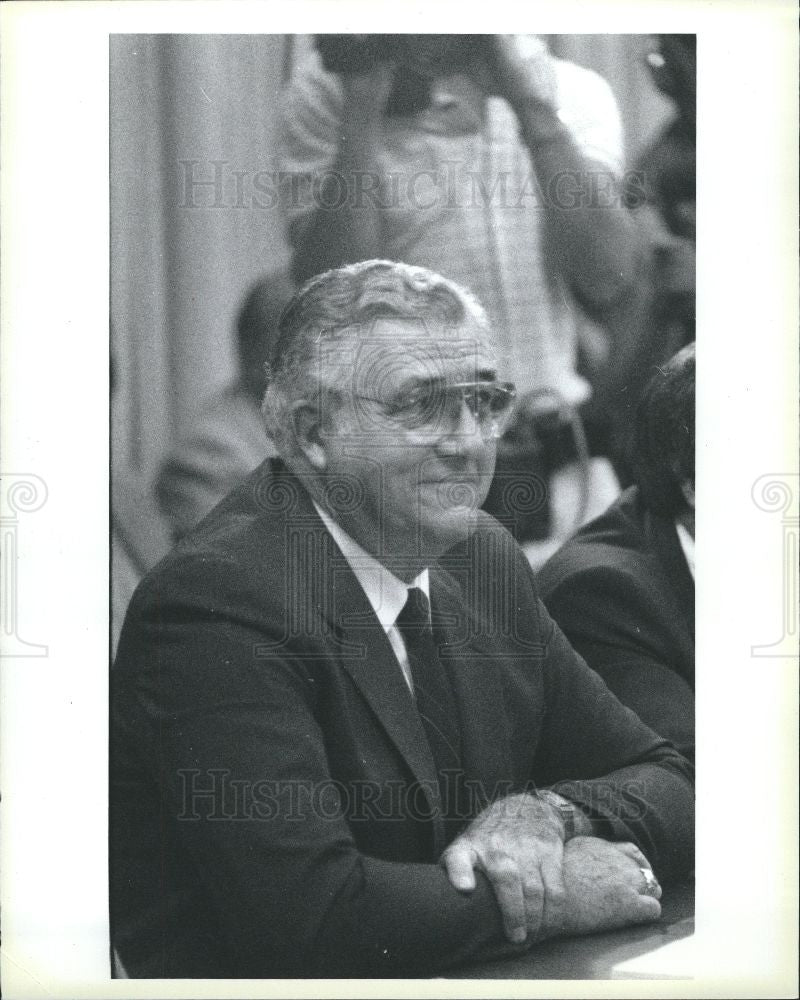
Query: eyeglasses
(436, 407)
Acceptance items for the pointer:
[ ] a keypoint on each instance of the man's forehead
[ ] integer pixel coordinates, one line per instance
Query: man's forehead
(413, 347)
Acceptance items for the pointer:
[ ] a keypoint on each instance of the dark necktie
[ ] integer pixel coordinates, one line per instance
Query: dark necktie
(435, 704)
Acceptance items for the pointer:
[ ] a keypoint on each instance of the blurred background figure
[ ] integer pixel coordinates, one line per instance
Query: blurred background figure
(667, 170)
(622, 589)
(228, 439)
(667, 166)
(659, 318)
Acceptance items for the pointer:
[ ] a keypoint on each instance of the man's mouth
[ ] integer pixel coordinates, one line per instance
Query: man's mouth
(456, 491)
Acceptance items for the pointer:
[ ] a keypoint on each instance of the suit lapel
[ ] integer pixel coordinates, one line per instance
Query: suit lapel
(369, 659)
(361, 645)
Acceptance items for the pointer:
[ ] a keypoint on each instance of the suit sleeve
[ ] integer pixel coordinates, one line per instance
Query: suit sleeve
(632, 781)
(614, 626)
(598, 753)
(232, 743)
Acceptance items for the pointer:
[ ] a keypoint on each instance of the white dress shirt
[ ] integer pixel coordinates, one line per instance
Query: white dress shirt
(385, 592)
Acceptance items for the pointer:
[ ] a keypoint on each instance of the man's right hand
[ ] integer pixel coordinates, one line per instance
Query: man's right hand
(605, 889)
(518, 842)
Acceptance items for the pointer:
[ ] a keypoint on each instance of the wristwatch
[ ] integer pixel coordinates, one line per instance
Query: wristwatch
(565, 809)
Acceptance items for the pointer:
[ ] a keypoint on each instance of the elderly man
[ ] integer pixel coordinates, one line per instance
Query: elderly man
(347, 738)
(623, 588)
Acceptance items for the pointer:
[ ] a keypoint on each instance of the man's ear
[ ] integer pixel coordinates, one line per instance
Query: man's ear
(306, 422)
(687, 488)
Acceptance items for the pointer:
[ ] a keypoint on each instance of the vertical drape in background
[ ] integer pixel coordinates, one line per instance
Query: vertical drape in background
(185, 109)
(192, 108)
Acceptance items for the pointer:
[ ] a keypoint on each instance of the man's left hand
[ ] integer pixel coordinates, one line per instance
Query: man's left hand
(518, 842)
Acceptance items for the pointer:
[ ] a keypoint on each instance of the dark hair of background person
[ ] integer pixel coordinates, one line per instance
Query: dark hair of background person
(664, 435)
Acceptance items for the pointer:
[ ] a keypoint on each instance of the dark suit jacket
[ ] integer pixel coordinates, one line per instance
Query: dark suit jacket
(271, 780)
(623, 594)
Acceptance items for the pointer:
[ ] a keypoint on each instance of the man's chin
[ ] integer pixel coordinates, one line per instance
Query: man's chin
(441, 529)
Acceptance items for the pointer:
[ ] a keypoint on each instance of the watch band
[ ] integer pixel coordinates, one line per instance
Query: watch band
(564, 808)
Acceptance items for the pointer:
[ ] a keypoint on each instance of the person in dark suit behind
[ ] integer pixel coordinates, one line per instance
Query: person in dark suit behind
(622, 588)
(347, 739)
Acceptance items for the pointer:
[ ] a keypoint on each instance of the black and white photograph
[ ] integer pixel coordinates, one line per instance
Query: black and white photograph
(348, 739)
(410, 395)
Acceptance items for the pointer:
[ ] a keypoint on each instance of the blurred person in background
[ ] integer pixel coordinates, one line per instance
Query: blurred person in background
(228, 439)
(666, 171)
(497, 164)
(667, 167)
(648, 327)
(622, 589)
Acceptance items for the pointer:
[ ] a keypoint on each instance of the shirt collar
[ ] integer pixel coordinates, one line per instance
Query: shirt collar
(687, 544)
(385, 592)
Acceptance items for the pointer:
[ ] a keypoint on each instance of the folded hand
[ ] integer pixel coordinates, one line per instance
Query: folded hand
(605, 889)
(518, 842)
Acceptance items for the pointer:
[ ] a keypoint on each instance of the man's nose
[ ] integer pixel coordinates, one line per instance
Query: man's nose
(463, 435)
